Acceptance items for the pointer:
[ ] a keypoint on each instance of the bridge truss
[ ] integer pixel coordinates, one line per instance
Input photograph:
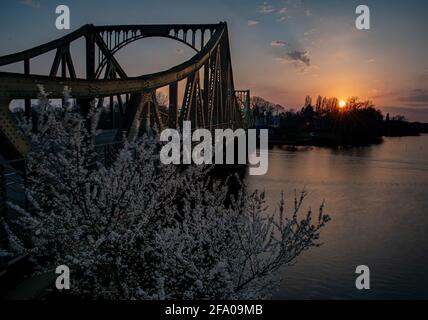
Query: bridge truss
(209, 98)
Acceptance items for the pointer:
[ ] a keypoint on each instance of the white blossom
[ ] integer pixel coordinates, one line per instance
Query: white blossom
(138, 229)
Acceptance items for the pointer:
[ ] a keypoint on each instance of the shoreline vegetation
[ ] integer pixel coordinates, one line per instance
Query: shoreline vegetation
(328, 123)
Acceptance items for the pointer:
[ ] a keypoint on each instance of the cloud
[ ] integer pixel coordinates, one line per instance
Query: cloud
(310, 33)
(370, 60)
(423, 77)
(308, 13)
(300, 57)
(300, 60)
(416, 96)
(31, 3)
(384, 94)
(252, 23)
(374, 92)
(283, 18)
(266, 8)
(283, 10)
(295, 3)
(278, 43)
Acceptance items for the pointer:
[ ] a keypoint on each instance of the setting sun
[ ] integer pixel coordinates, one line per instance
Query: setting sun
(342, 104)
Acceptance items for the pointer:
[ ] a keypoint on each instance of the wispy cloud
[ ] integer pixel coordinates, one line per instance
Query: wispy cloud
(297, 58)
(283, 14)
(293, 8)
(278, 43)
(252, 23)
(31, 3)
(266, 8)
(310, 32)
(295, 3)
(423, 77)
(283, 18)
(416, 96)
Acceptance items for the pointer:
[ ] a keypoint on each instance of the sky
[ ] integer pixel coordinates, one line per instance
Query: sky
(282, 50)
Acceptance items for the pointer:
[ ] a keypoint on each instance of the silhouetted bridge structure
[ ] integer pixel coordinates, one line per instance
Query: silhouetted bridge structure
(209, 97)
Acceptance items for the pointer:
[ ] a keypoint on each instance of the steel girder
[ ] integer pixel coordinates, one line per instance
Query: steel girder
(212, 106)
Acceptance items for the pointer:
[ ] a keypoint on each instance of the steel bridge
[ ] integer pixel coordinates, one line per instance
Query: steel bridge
(209, 98)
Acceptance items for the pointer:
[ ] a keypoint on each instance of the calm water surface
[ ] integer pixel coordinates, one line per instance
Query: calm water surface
(378, 199)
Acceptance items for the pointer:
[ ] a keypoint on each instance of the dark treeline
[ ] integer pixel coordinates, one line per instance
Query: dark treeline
(325, 122)
(319, 122)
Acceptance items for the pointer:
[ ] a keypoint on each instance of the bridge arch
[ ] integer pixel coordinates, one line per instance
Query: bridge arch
(115, 50)
(117, 37)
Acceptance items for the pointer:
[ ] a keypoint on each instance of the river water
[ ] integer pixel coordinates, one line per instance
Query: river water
(377, 198)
